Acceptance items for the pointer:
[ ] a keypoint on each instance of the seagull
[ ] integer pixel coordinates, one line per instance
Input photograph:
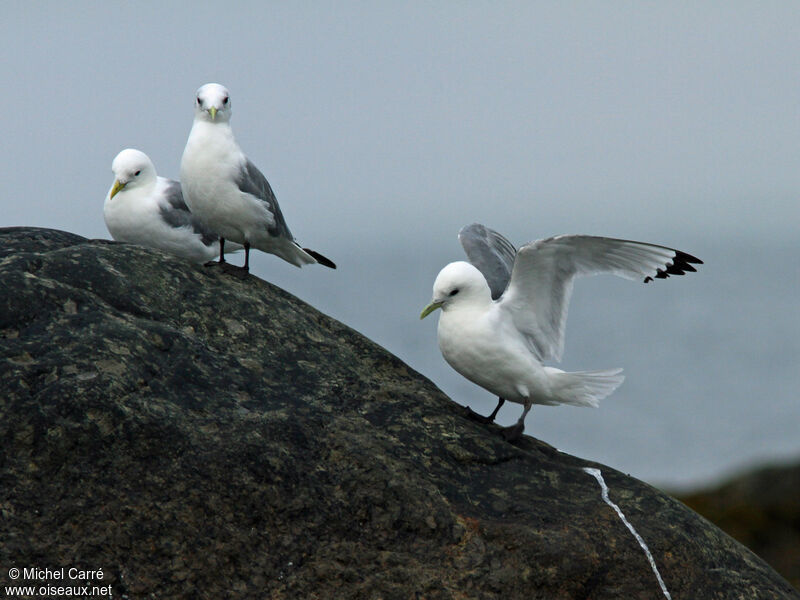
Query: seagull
(143, 208)
(504, 312)
(228, 192)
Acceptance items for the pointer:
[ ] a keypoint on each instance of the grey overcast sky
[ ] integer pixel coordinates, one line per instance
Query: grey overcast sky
(379, 120)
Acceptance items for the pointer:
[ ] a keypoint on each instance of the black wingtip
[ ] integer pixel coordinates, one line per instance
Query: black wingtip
(320, 259)
(681, 264)
(687, 258)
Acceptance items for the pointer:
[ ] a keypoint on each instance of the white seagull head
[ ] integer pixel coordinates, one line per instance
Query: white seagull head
(132, 169)
(459, 284)
(213, 103)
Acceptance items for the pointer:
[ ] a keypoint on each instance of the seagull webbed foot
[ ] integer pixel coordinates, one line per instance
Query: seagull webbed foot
(240, 272)
(220, 262)
(472, 415)
(489, 419)
(513, 433)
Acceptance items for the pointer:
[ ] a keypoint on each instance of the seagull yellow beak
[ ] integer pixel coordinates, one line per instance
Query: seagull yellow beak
(118, 185)
(430, 308)
(213, 112)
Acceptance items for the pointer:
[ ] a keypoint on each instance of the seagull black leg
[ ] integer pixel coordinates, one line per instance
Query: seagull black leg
(513, 433)
(500, 402)
(240, 272)
(221, 261)
(246, 256)
(490, 419)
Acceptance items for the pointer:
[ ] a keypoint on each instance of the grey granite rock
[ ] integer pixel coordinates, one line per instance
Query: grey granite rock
(198, 436)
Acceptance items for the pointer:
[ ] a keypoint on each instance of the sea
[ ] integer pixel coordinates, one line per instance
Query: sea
(711, 359)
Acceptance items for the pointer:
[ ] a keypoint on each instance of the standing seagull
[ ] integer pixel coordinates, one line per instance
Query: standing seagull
(228, 192)
(143, 208)
(505, 313)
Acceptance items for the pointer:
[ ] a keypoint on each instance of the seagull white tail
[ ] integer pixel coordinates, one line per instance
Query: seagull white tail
(583, 388)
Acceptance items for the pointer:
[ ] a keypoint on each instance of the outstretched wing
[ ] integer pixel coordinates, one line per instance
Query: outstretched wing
(175, 213)
(490, 253)
(251, 181)
(541, 280)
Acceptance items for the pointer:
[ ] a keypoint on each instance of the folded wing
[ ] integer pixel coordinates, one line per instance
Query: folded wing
(175, 213)
(252, 181)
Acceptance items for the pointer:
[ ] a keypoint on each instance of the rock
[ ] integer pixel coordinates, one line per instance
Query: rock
(761, 509)
(198, 436)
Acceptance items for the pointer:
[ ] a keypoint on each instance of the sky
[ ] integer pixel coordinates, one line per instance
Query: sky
(627, 118)
(384, 127)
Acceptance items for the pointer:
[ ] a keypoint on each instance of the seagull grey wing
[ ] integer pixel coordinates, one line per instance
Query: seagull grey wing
(490, 253)
(173, 195)
(541, 280)
(252, 181)
(176, 214)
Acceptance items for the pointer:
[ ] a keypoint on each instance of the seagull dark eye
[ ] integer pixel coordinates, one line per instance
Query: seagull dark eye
(199, 102)
(225, 100)
(454, 292)
(137, 173)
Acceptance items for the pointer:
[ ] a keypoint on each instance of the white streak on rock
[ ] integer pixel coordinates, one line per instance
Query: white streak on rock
(604, 493)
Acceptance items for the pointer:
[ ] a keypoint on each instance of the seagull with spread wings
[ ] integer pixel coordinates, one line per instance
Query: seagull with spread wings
(504, 312)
